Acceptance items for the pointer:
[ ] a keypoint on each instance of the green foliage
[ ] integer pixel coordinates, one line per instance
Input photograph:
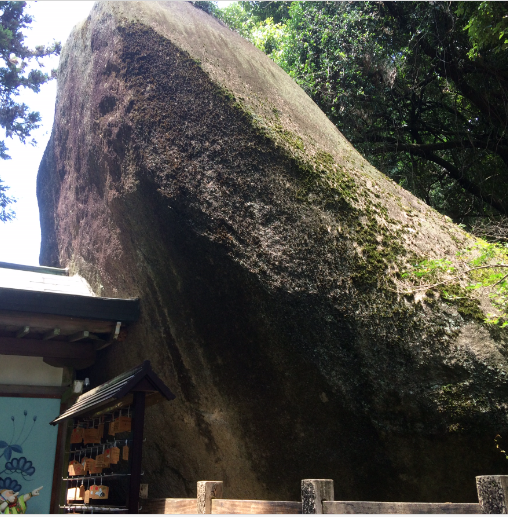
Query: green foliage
(208, 7)
(499, 446)
(236, 17)
(262, 31)
(484, 266)
(277, 11)
(16, 72)
(404, 83)
(266, 36)
(6, 213)
(487, 26)
(430, 269)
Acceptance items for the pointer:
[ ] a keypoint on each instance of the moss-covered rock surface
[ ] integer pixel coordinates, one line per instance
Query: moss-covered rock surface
(188, 169)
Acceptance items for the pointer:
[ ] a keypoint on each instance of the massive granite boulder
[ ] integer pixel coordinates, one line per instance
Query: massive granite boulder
(188, 169)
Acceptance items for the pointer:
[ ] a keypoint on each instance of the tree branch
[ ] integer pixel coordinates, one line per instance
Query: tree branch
(456, 277)
(424, 151)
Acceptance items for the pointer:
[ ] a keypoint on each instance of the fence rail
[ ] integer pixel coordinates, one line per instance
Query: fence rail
(170, 506)
(405, 508)
(318, 498)
(253, 507)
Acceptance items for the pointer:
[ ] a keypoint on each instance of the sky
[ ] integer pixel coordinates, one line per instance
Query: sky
(20, 239)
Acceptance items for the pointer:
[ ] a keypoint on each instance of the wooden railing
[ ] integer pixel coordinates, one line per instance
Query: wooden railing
(317, 498)
(252, 507)
(169, 506)
(405, 508)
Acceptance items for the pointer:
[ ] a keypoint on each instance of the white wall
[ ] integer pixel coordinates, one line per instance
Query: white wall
(31, 371)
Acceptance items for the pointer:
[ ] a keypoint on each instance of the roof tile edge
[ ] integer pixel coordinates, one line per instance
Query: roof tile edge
(35, 269)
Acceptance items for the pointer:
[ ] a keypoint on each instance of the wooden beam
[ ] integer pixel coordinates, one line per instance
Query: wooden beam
(77, 364)
(37, 348)
(168, 506)
(366, 507)
(83, 334)
(50, 334)
(136, 451)
(66, 324)
(23, 332)
(48, 392)
(93, 307)
(238, 506)
(35, 269)
(58, 469)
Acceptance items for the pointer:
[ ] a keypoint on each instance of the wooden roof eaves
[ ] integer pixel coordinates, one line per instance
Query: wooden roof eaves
(116, 389)
(35, 269)
(146, 372)
(74, 305)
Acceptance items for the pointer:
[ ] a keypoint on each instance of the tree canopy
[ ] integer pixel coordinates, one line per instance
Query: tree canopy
(420, 88)
(17, 71)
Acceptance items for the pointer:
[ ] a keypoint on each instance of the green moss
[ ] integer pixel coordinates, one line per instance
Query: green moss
(459, 402)
(380, 249)
(324, 158)
(467, 306)
(289, 137)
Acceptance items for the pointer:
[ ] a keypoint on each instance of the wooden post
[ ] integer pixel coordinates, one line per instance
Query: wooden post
(314, 492)
(492, 493)
(208, 490)
(136, 451)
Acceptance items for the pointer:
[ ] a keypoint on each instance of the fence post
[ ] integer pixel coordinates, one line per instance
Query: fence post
(492, 493)
(208, 490)
(314, 492)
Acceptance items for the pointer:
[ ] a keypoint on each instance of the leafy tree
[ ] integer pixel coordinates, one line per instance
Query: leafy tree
(207, 6)
(16, 72)
(487, 26)
(277, 11)
(420, 88)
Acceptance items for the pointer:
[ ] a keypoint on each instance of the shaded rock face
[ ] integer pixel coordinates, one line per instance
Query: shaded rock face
(187, 169)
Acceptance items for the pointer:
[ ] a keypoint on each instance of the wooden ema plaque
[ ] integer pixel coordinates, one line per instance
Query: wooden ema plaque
(99, 492)
(71, 494)
(76, 493)
(91, 435)
(93, 468)
(75, 468)
(99, 461)
(123, 424)
(113, 455)
(85, 462)
(112, 428)
(77, 435)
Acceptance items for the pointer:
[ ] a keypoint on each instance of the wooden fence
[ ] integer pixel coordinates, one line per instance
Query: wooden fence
(318, 497)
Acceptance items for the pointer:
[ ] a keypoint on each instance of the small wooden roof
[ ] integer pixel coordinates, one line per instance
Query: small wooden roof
(117, 393)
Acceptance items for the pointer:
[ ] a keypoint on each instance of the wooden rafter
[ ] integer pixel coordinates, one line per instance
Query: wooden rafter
(50, 349)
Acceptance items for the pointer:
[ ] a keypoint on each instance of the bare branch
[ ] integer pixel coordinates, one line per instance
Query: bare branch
(457, 277)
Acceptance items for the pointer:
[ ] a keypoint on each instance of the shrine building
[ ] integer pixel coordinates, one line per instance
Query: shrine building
(51, 326)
